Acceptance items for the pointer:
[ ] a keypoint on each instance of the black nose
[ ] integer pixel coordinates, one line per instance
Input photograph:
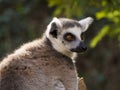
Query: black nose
(80, 48)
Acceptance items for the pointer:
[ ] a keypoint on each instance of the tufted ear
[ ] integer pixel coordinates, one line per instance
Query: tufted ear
(54, 30)
(85, 23)
(54, 26)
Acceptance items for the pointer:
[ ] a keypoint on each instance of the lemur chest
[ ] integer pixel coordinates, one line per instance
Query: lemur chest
(57, 67)
(60, 72)
(53, 73)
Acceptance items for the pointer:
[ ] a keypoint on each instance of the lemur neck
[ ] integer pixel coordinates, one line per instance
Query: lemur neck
(59, 48)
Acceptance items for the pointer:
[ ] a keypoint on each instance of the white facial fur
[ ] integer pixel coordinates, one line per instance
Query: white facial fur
(75, 31)
(85, 23)
(65, 47)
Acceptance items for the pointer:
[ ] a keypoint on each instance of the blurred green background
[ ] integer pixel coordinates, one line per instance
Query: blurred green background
(25, 20)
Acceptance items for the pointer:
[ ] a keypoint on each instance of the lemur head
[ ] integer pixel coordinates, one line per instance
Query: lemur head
(66, 35)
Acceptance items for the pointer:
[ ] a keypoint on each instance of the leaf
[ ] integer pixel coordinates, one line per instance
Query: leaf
(100, 35)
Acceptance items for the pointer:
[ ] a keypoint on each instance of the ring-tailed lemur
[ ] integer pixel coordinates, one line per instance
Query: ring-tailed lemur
(45, 64)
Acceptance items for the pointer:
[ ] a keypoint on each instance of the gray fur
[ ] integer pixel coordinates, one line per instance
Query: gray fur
(69, 23)
(37, 67)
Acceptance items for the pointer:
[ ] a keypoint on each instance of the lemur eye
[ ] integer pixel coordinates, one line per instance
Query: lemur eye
(82, 36)
(69, 37)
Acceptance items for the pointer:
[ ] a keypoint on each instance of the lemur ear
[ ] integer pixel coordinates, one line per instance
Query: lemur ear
(85, 23)
(54, 30)
(55, 24)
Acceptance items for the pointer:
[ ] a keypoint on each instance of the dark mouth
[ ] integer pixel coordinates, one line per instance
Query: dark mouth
(79, 50)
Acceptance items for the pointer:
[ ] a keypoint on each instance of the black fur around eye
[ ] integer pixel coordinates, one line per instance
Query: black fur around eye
(82, 36)
(69, 37)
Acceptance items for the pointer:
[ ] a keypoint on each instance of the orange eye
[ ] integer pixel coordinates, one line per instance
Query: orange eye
(69, 37)
(82, 36)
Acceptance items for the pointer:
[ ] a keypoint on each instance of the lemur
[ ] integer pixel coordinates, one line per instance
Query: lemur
(46, 63)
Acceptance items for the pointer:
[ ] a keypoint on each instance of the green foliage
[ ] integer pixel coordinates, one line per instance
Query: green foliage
(109, 10)
(100, 35)
(113, 17)
(69, 8)
(14, 25)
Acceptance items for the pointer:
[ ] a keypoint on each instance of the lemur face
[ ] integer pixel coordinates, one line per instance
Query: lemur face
(73, 39)
(66, 35)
